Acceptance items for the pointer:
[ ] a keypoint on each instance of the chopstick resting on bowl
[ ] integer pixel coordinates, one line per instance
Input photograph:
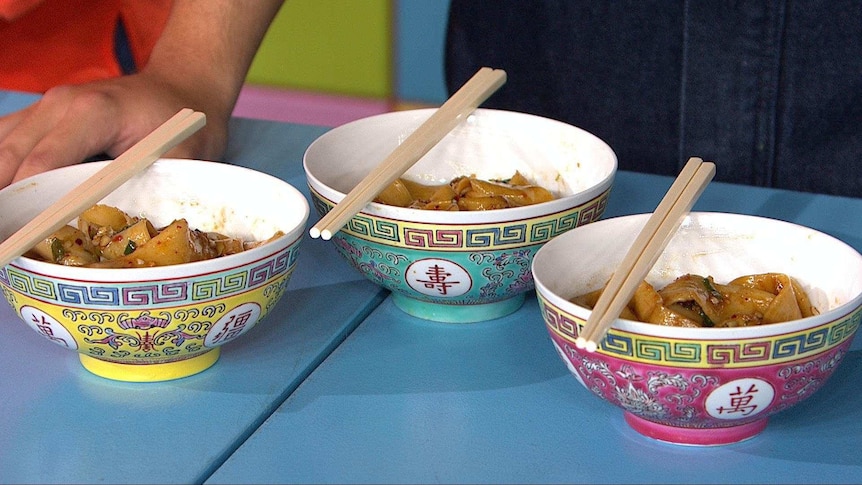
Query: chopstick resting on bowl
(645, 250)
(100, 184)
(473, 93)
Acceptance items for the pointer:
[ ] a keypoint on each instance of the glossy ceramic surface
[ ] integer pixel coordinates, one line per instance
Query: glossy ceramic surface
(704, 386)
(461, 266)
(152, 324)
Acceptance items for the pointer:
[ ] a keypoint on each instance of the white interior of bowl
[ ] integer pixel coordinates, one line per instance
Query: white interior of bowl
(490, 144)
(212, 196)
(721, 245)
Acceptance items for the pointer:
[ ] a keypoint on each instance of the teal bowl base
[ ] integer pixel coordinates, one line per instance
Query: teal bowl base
(439, 312)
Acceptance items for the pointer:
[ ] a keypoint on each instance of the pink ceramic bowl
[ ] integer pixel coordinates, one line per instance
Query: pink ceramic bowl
(704, 386)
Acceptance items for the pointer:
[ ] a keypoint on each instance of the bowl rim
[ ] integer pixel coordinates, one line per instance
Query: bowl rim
(375, 209)
(290, 237)
(834, 314)
(179, 271)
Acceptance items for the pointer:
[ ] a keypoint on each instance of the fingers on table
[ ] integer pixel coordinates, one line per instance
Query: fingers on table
(54, 133)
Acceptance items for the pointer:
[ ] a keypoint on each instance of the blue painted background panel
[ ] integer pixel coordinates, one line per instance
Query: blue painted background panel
(420, 37)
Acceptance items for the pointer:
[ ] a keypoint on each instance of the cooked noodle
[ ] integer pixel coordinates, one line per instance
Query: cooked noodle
(697, 301)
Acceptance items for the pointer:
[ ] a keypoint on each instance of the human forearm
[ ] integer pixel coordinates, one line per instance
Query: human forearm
(199, 62)
(207, 47)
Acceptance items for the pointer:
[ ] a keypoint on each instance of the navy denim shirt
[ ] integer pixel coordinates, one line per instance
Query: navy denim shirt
(770, 90)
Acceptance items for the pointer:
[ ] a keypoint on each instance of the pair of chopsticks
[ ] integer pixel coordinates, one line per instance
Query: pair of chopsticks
(140, 156)
(645, 250)
(473, 93)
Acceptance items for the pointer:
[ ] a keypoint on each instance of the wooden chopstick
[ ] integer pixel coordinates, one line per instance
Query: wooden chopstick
(100, 184)
(645, 250)
(473, 93)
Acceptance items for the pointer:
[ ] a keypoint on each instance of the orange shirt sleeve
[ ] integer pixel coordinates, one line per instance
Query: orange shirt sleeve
(12, 9)
(62, 42)
(144, 21)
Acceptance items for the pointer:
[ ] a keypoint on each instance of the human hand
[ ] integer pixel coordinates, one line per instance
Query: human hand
(72, 123)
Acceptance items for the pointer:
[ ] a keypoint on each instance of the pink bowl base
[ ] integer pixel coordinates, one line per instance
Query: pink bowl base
(695, 436)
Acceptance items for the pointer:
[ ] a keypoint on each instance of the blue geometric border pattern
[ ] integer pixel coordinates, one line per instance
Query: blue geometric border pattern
(152, 294)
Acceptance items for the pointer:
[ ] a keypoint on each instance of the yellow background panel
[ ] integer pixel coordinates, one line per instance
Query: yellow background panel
(335, 46)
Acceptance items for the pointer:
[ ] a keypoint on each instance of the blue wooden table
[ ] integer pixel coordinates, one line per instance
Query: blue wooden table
(339, 386)
(61, 424)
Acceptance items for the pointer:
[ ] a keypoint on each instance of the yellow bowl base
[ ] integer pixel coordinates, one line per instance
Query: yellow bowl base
(150, 372)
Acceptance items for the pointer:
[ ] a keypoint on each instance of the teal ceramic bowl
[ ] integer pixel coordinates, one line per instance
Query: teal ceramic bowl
(460, 266)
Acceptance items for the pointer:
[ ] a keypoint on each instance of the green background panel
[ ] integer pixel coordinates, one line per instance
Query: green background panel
(330, 46)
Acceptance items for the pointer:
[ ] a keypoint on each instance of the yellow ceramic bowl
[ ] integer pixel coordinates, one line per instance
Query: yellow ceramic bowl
(152, 324)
